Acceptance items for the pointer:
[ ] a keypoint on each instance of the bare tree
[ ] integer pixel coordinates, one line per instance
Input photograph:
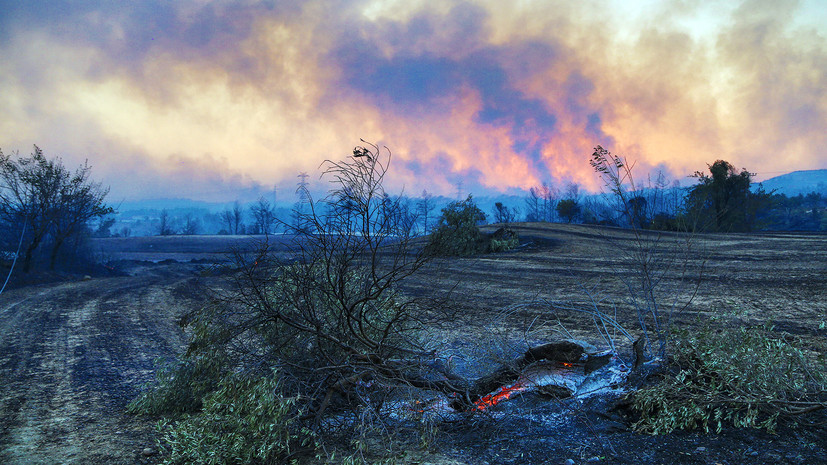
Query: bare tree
(81, 200)
(503, 214)
(652, 255)
(263, 216)
(238, 218)
(424, 207)
(335, 319)
(191, 225)
(227, 219)
(533, 206)
(164, 224)
(541, 203)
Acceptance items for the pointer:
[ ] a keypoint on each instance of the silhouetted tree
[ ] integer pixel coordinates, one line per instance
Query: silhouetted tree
(541, 203)
(164, 224)
(503, 214)
(227, 219)
(263, 216)
(104, 228)
(48, 201)
(190, 225)
(637, 211)
(573, 192)
(238, 218)
(722, 200)
(424, 207)
(568, 209)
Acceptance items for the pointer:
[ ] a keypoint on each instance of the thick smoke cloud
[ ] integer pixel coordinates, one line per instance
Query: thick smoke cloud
(485, 94)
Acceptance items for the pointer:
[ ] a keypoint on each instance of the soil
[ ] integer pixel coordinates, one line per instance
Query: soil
(74, 353)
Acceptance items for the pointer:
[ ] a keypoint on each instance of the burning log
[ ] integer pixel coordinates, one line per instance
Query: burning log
(505, 382)
(555, 369)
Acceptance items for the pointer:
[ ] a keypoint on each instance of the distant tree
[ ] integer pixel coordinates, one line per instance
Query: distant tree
(238, 218)
(722, 201)
(541, 203)
(568, 209)
(799, 213)
(637, 211)
(424, 207)
(573, 192)
(164, 224)
(594, 211)
(503, 214)
(814, 200)
(457, 231)
(533, 206)
(191, 225)
(48, 203)
(392, 209)
(234, 218)
(263, 216)
(227, 219)
(104, 228)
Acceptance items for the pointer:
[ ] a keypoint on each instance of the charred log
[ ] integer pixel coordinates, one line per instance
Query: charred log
(566, 353)
(638, 347)
(596, 362)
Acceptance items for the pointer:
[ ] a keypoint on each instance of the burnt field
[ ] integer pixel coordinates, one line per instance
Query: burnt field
(73, 353)
(777, 278)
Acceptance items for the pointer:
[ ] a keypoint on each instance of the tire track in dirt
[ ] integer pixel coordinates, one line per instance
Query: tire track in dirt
(72, 355)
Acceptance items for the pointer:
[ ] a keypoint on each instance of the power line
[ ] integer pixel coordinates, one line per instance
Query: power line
(16, 254)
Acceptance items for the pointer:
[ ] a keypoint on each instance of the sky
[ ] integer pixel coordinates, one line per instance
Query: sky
(220, 100)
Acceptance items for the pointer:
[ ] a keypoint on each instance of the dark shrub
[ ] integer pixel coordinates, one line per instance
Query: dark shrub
(457, 231)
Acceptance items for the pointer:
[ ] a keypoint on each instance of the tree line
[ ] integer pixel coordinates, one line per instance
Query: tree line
(723, 199)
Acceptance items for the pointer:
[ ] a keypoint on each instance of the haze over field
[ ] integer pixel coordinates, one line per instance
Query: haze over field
(211, 100)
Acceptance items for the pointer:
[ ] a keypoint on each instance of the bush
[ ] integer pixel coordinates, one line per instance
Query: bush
(181, 387)
(503, 239)
(457, 231)
(568, 209)
(245, 421)
(748, 377)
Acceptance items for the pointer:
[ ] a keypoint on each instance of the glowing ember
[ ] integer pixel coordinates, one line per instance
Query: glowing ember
(504, 393)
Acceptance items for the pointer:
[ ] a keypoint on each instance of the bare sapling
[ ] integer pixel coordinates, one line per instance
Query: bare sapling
(663, 269)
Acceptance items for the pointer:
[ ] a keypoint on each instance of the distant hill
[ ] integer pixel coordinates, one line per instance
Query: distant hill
(168, 204)
(798, 182)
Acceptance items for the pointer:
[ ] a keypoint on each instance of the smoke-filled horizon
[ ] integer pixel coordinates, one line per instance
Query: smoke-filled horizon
(205, 100)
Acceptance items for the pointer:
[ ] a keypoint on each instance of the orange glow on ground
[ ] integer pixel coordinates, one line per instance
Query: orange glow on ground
(504, 393)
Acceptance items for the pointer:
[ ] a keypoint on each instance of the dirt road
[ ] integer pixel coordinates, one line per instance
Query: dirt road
(73, 354)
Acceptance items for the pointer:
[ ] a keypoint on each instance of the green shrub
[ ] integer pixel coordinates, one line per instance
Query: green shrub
(503, 239)
(457, 231)
(503, 245)
(181, 387)
(745, 376)
(245, 421)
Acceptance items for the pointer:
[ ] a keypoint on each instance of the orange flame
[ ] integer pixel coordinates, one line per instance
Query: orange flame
(504, 393)
(567, 364)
